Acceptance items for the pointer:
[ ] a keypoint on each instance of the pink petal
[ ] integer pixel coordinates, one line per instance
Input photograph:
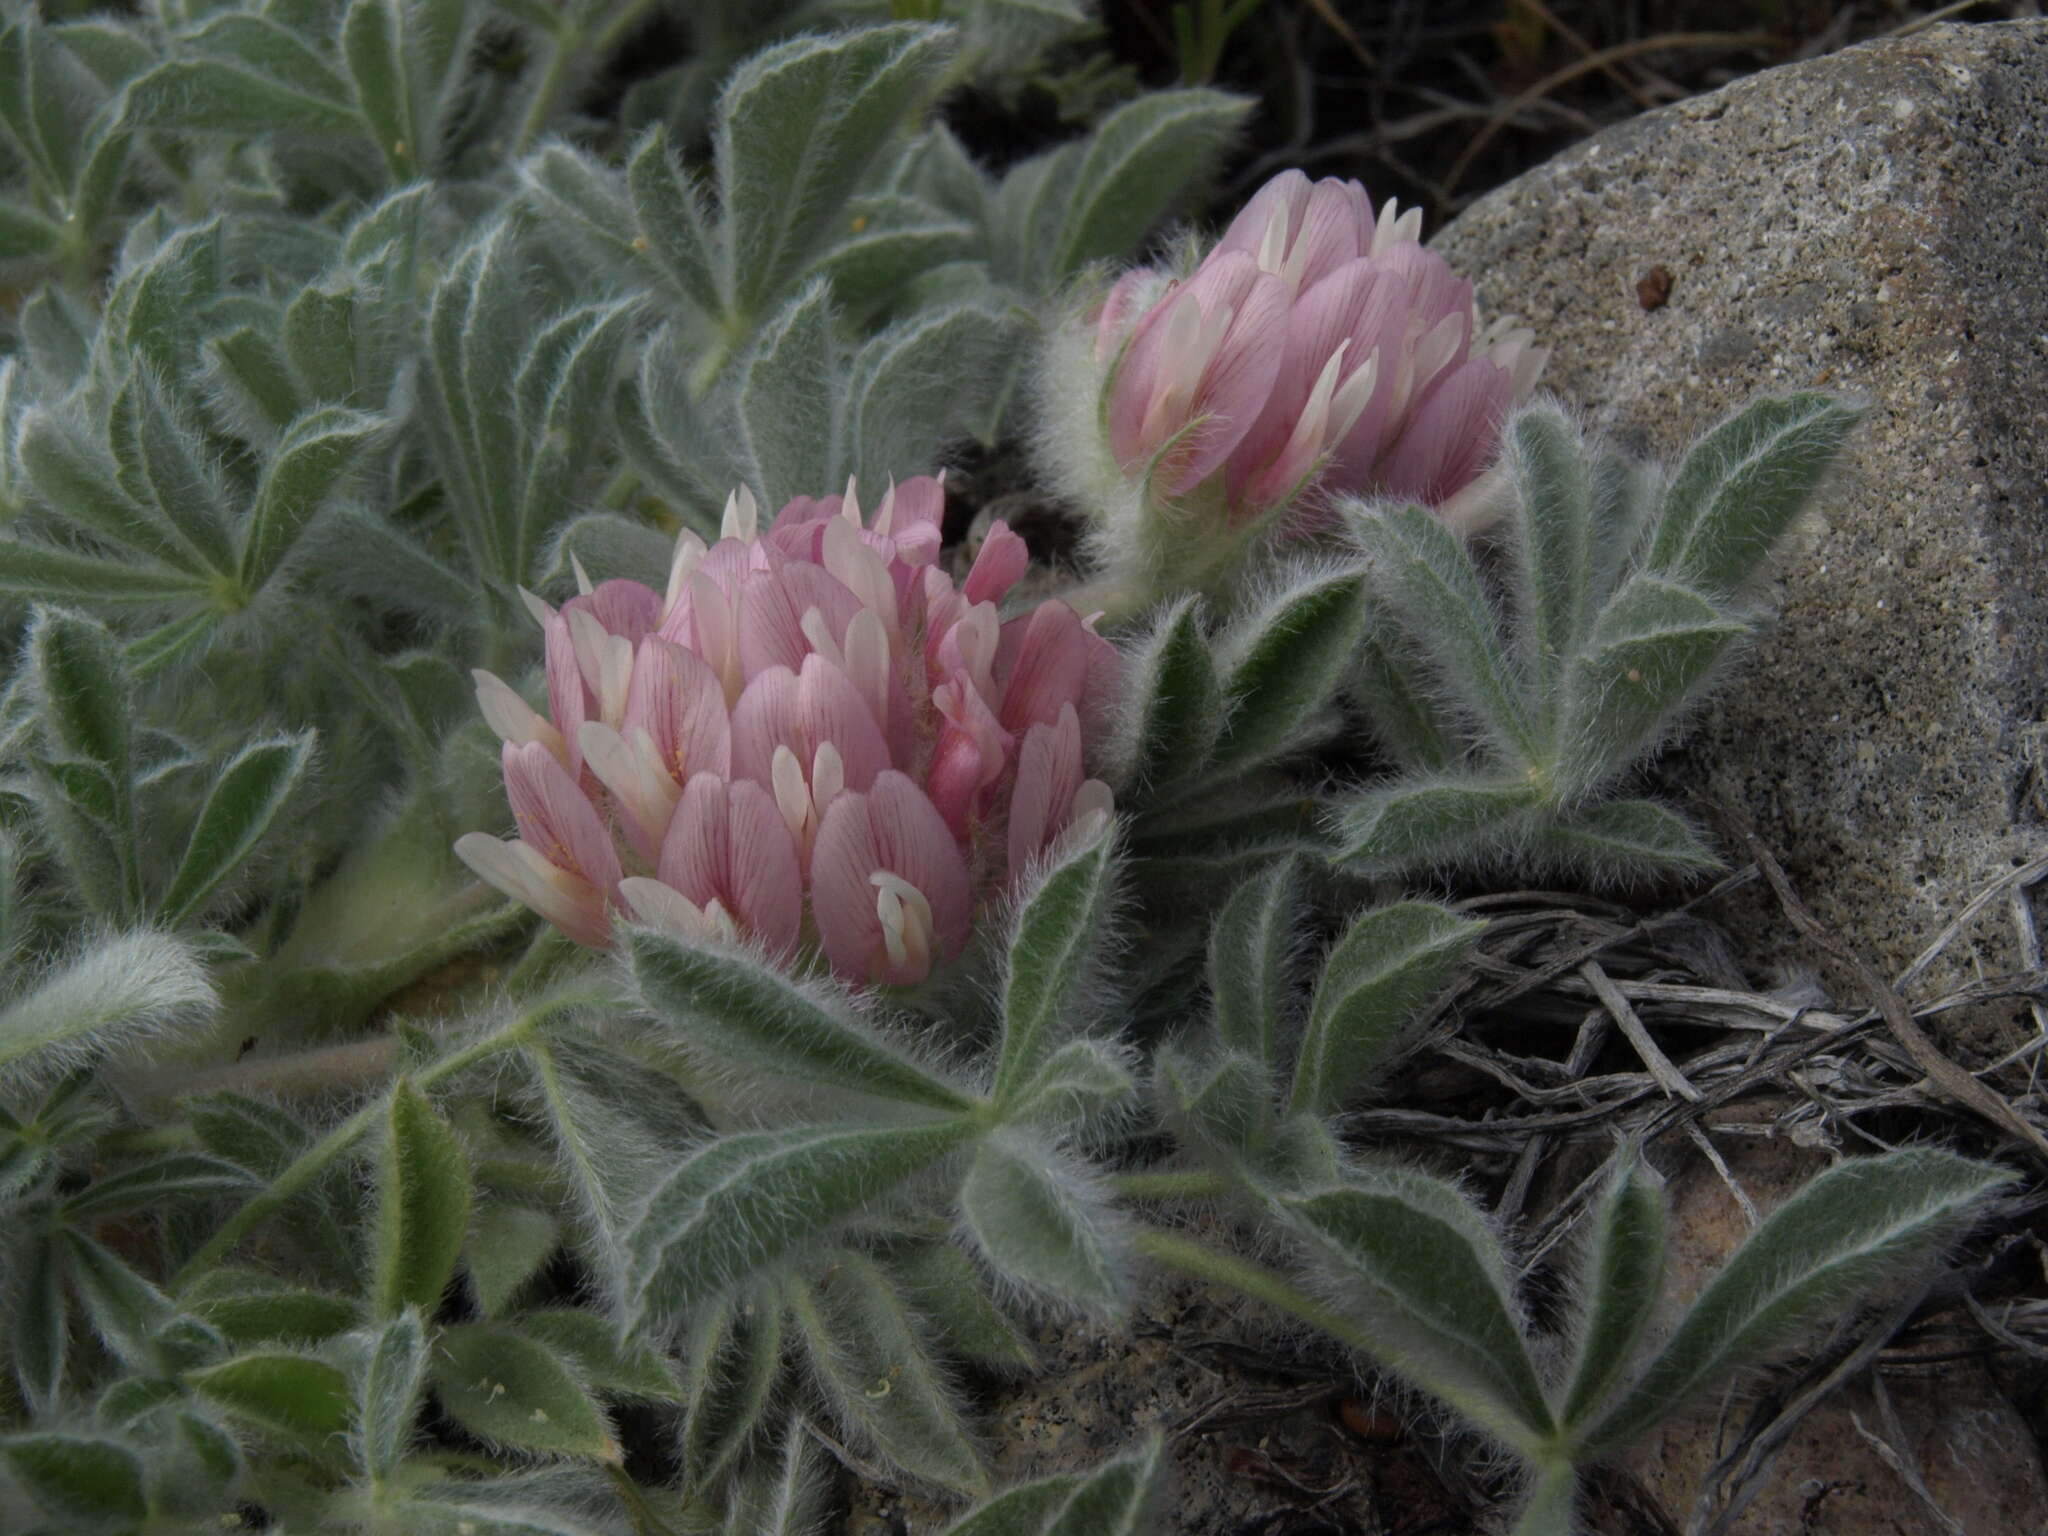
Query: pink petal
(678, 700)
(556, 817)
(1285, 196)
(1048, 774)
(622, 607)
(1043, 665)
(772, 608)
(569, 701)
(1338, 215)
(565, 899)
(892, 831)
(1235, 386)
(801, 712)
(728, 843)
(1452, 437)
(1000, 565)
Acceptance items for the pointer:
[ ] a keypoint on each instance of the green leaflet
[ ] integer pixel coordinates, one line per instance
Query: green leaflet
(239, 810)
(1739, 488)
(506, 1387)
(1136, 170)
(388, 1397)
(1050, 967)
(732, 1362)
(1621, 1269)
(737, 1010)
(1417, 1270)
(1043, 1222)
(1283, 663)
(423, 1204)
(96, 1483)
(796, 126)
(745, 1201)
(291, 1395)
(1389, 965)
(1855, 1232)
(1254, 947)
(869, 1356)
(1116, 1499)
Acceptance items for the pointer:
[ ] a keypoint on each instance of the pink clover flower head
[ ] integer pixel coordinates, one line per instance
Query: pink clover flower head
(814, 740)
(1318, 344)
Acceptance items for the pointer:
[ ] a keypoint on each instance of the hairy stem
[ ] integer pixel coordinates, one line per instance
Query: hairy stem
(316, 1159)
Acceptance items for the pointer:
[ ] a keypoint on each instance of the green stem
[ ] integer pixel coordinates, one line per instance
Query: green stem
(316, 1159)
(1169, 1184)
(613, 32)
(553, 78)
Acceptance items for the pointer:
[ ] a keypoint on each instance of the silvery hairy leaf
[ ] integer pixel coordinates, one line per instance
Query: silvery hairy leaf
(293, 1396)
(868, 1354)
(1390, 964)
(1043, 1221)
(1117, 1498)
(507, 1388)
(1254, 950)
(423, 1203)
(91, 1484)
(119, 992)
(244, 73)
(1621, 1268)
(732, 1361)
(1742, 484)
(1283, 660)
(1051, 962)
(392, 1378)
(796, 127)
(745, 1201)
(740, 1012)
(1416, 1268)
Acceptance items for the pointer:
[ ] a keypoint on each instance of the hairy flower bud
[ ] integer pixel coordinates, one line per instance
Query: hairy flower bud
(1317, 347)
(815, 736)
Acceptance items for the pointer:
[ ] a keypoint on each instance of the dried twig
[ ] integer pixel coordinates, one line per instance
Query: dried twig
(1943, 1073)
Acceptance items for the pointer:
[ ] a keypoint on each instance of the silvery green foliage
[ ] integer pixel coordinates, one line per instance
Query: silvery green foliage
(1514, 722)
(340, 326)
(1405, 1267)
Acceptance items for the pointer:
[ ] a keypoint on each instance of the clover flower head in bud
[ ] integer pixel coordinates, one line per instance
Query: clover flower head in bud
(1316, 348)
(813, 740)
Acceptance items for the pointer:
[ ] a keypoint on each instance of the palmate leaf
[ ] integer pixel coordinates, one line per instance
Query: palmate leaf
(1859, 1230)
(745, 1201)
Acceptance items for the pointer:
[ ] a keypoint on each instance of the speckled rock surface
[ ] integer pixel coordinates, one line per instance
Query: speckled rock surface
(1874, 222)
